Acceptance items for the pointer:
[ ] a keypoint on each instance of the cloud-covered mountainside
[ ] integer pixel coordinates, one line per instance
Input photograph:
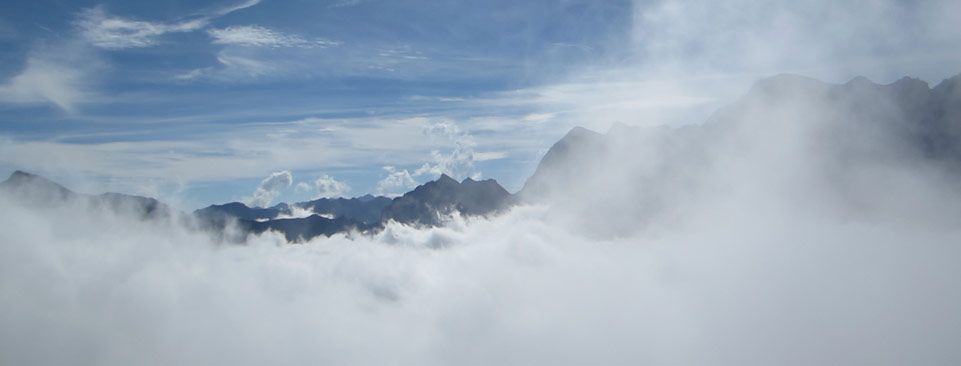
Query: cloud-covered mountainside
(807, 223)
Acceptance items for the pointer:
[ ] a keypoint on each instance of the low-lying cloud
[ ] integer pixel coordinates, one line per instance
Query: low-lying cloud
(762, 240)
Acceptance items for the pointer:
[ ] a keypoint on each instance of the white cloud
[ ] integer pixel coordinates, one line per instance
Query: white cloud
(302, 187)
(458, 162)
(109, 32)
(239, 65)
(48, 79)
(270, 188)
(112, 32)
(257, 36)
(538, 117)
(732, 284)
(328, 187)
(231, 9)
(345, 3)
(396, 181)
(489, 155)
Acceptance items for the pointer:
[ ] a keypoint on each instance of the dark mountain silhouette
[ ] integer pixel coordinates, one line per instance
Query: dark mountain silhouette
(344, 215)
(306, 228)
(366, 209)
(241, 211)
(430, 203)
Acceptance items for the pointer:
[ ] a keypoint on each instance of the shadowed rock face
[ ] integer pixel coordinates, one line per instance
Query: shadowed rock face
(241, 211)
(303, 229)
(355, 214)
(366, 209)
(430, 203)
(426, 205)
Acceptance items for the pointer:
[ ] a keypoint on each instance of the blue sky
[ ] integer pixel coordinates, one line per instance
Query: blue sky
(199, 102)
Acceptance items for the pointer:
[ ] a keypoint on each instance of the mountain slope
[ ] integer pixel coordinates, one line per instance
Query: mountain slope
(840, 143)
(37, 191)
(430, 203)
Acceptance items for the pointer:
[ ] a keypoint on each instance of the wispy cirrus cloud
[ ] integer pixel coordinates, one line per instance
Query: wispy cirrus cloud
(233, 8)
(53, 76)
(345, 3)
(110, 32)
(63, 74)
(257, 36)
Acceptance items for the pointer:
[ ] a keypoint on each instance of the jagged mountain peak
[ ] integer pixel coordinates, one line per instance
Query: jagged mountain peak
(27, 186)
(20, 177)
(429, 203)
(446, 179)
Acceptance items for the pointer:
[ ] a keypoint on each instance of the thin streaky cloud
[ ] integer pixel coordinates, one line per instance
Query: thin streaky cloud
(231, 9)
(257, 36)
(115, 33)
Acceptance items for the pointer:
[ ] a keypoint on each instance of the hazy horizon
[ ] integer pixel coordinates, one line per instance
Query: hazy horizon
(721, 222)
(198, 102)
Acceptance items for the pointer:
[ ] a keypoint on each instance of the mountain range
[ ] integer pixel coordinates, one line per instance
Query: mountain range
(427, 205)
(850, 125)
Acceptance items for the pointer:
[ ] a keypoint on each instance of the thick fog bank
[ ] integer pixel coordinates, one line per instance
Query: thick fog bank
(770, 235)
(722, 289)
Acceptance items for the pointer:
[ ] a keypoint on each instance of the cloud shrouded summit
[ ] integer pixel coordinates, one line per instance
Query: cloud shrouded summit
(706, 213)
(804, 218)
(228, 85)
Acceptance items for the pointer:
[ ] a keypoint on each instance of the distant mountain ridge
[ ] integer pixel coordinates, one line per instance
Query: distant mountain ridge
(426, 205)
(849, 130)
(38, 191)
(855, 123)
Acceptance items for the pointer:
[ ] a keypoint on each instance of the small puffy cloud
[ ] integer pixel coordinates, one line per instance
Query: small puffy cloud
(110, 32)
(270, 188)
(396, 181)
(257, 36)
(328, 187)
(302, 187)
(459, 161)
